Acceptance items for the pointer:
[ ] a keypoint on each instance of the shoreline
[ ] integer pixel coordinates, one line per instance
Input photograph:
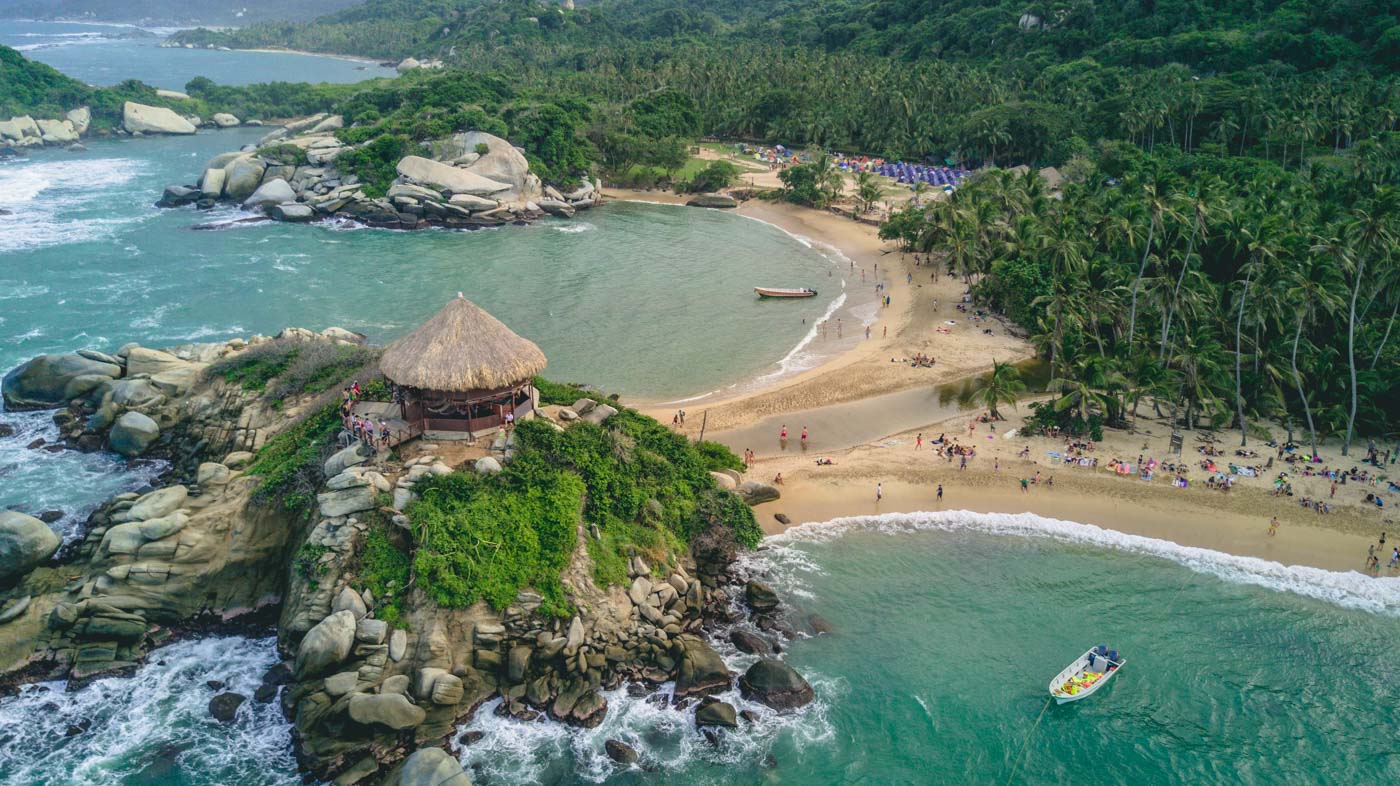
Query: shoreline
(863, 407)
(920, 306)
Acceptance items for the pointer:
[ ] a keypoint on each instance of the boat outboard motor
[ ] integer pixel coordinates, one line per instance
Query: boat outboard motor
(1102, 649)
(1113, 655)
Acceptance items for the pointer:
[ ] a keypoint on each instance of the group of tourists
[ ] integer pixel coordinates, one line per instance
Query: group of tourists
(357, 428)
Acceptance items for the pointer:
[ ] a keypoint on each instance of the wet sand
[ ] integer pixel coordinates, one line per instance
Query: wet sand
(1186, 521)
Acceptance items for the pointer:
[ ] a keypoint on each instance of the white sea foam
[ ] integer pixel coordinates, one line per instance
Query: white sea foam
(27, 476)
(156, 722)
(49, 197)
(543, 751)
(1350, 589)
(573, 228)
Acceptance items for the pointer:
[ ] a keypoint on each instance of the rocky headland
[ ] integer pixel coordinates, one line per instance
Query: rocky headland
(264, 515)
(469, 180)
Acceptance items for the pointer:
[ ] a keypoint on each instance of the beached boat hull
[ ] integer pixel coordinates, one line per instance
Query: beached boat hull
(770, 292)
(1077, 669)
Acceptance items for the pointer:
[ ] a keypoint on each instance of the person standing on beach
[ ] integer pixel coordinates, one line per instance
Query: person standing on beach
(919, 440)
(996, 465)
(804, 436)
(962, 462)
(1273, 526)
(1025, 486)
(940, 492)
(879, 491)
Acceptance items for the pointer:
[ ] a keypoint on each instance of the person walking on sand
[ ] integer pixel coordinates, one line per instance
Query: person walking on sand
(962, 462)
(996, 465)
(919, 440)
(879, 491)
(867, 331)
(1025, 486)
(1394, 558)
(804, 436)
(782, 435)
(1273, 526)
(940, 492)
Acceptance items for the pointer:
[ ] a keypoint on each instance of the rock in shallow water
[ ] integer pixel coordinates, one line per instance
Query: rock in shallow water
(620, 752)
(24, 543)
(224, 707)
(775, 684)
(431, 767)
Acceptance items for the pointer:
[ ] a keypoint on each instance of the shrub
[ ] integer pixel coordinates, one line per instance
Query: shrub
(384, 570)
(317, 366)
(290, 463)
(254, 367)
(714, 177)
(482, 148)
(718, 457)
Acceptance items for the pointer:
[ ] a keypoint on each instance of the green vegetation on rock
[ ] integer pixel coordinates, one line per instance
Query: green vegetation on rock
(645, 489)
(290, 463)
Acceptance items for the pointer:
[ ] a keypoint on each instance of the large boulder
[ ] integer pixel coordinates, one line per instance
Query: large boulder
(242, 176)
(713, 200)
(24, 543)
(755, 493)
(702, 670)
(292, 212)
(473, 203)
(272, 192)
(775, 684)
(141, 360)
(326, 645)
(502, 162)
(225, 120)
(211, 184)
(81, 118)
(717, 713)
(761, 598)
(343, 460)
(135, 394)
(133, 434)
(51, 381)
(387, 709)
(16, 129)
(57, 132)
(430, 767)
(343, 502)
(158, 504)
(153, 120)
(224, 706)
(408, 64)
(443, 177)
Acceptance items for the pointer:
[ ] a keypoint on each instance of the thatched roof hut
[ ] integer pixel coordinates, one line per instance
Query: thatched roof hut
(462, 348)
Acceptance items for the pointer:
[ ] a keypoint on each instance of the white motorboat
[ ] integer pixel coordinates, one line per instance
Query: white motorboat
(1086, 675)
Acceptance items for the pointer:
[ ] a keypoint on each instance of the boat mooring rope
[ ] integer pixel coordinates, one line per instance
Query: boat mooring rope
(1021, 754)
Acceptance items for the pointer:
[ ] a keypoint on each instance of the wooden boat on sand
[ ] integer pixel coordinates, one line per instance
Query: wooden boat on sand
(776, 292)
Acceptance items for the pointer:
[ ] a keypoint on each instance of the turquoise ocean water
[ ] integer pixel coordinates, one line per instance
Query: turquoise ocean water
(947, 627)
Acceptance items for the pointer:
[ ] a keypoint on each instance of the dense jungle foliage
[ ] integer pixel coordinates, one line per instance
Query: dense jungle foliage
(1228, 289)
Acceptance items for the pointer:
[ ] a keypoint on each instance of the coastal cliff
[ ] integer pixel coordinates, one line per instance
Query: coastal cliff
(394, 624)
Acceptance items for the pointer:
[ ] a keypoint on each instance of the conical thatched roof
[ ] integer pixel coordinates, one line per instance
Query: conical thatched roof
(461, 348)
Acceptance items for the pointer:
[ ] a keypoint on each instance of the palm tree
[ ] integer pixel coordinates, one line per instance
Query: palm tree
(1370, 228)
(1311, 291)
(1001, 387)
(1158, 207)
(868, 191)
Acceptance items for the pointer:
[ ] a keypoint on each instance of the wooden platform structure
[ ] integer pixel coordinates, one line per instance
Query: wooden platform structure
(400, 430)
(462, 374)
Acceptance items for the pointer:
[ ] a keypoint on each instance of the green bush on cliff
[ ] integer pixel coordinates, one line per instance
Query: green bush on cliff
(645, 489)
(290, 463)
(385, 570)
(287, 368)
(488, 538)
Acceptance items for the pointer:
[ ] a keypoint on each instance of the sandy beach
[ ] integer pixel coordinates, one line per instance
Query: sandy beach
(865, 414)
